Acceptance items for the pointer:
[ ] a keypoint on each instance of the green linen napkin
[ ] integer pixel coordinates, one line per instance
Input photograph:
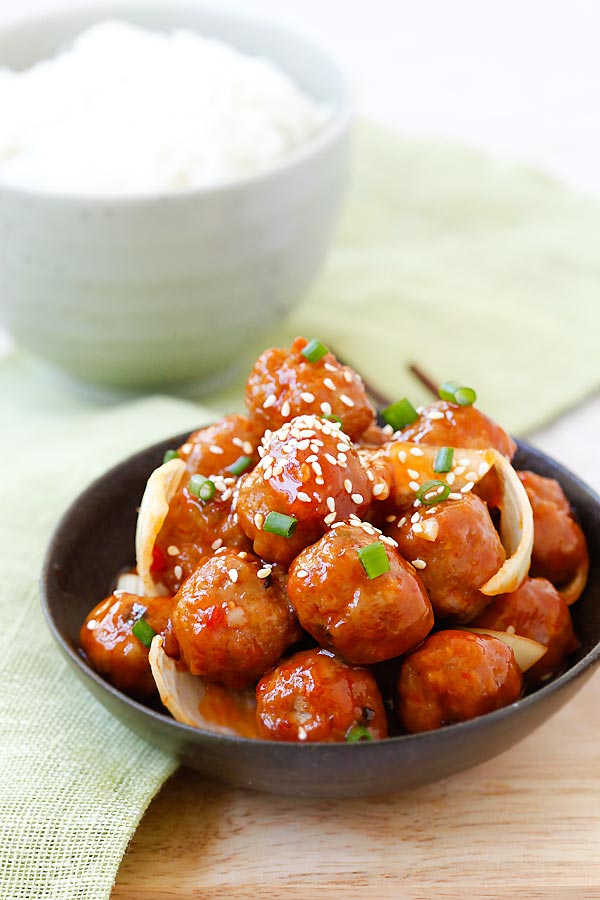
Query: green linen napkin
(479, 271)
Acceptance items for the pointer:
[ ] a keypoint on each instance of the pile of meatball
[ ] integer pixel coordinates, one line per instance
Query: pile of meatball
(336, 653)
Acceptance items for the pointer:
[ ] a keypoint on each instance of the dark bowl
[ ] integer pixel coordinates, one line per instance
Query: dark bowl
(95, 539)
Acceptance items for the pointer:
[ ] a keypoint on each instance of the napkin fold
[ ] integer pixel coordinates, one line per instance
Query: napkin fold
(476, 270)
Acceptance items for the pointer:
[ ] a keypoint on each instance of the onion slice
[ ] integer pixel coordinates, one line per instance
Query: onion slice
(527, 651)
(516, 530)
(160, 490)
(199, 703)
(574, 589)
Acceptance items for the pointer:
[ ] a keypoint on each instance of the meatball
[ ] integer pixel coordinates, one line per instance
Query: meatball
(559, 546)
(314, 696)
(194, 529)
(311, 472)
(284, 384)
(111, 648)
(535, 610)
(454, 676)
(211, 450)
(446, 424)
(232, 619)
(456, 549)
(365, 620)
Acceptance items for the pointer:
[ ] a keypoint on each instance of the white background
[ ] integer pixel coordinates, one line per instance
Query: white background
(520, 78)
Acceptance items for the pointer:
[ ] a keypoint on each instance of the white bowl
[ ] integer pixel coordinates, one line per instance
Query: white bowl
(163, 288)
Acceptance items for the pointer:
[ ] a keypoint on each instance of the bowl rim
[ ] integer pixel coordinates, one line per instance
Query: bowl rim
(333, 131)
(449, 732)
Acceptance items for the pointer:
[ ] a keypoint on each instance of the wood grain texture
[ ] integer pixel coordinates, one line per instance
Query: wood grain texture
(524, 824)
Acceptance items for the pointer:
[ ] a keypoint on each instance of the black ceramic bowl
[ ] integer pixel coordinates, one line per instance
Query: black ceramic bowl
(95, 539)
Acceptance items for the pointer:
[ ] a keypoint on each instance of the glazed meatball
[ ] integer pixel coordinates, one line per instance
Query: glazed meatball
(364, 619)
(194, 529)
(454, 676)
(211, 450)
(446, 424)
(111, 648)
(537, 611)
(559, 546)
(314, 696)
(456, 549)
(232, 619)
(284, 384)
(309, 471)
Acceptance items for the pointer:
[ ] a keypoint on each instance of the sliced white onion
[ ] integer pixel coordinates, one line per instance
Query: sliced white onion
(194, 701)
(527, 651)
(160, 490)
(574, 589)
(130, 583)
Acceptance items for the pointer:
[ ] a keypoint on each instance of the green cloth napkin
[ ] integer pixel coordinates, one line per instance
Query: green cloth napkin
(479, 271)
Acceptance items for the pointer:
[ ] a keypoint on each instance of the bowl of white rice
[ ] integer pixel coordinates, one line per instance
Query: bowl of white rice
(170, 177)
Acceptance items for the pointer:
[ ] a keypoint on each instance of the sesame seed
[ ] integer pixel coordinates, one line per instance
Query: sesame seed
(233, 575)
(471, 476)
(331, 459)
(247, 448)
(459, 470)
(304, 444)
(237, 441)
(417, 528)
(226, 494)
(370, 475)
(307, 397)
(329, 383)
(326, 408)
(268, 473)
(259, 520)
(450, 478)
(187, 447)
(510, 629)
(419, 563)
(402, 456)
(302, 735)
(416, 517)
(278, 469)
(465, 461)
(390, 518)
(401, 521)
(242, 554)
(388, 540)
(91, 624)
(348, 486)
(303, 497)
(483, 468)
(413, 485)
(173, 550)
(454, 496)
(417, 503)
(312, 458)
(261, 452)
(319, 480)
(348, 376)
(285, 409)
(434, 414)
(221, 550)
(264, 572)
(331, 504)
(416, 451)
(271, 399)
(316, 467)
(329, 367)
(357, 498)
(413, 473)
(346, 400)
(387, 429)
(467, 487)
(178, 572)
(301, 573)
(216, 544)
(214, 448)
(330, 518)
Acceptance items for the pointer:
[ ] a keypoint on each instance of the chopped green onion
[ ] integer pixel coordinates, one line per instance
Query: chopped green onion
(432, 492)
(358, 733)
(374, 559)
(443, 459)
(400, 414)
(278, 523)
(169, 455)
(240, 465)
(454, 392)
(143, 632)
(314, 351)
(201, 487)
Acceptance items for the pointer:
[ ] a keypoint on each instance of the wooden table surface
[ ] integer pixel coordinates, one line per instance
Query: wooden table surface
(526, 824)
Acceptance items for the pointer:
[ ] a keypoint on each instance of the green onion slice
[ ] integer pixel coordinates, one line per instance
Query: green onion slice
(400, 414)
(432, 492)
(443, 459)
(169, 455)
(374, 559)
(240, 465)
(279, 523)
(201, 487)
(358, 733)
(454, 392)
(143, 632)
(314, 351)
